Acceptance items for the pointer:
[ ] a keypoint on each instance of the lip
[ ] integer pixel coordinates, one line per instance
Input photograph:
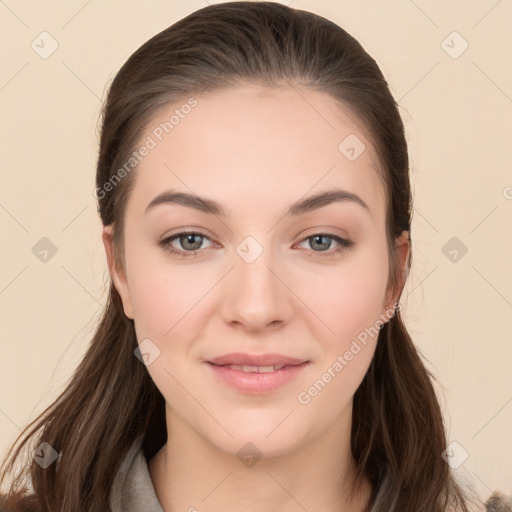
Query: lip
(242, 359)
(255, 383)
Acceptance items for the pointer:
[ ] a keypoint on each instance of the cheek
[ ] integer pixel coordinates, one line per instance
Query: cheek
(350, 299)
(351, 308)
(347, 297)
(161, 304)
(161, 292)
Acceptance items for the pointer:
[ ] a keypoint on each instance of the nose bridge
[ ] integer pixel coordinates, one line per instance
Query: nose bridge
(258, 297)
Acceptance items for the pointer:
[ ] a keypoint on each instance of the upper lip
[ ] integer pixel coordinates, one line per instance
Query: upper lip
(241, 359)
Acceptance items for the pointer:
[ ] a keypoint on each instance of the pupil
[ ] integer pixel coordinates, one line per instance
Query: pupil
(320, 237)
(190, 239)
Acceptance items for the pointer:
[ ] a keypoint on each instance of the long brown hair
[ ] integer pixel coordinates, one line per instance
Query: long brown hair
(398, 434)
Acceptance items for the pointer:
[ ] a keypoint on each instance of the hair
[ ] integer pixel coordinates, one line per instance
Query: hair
(398, 434)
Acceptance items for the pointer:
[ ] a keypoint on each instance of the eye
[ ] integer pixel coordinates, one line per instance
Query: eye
(190, 242)
(322, 241)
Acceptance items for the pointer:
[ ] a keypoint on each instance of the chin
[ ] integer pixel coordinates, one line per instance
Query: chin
(266, 437)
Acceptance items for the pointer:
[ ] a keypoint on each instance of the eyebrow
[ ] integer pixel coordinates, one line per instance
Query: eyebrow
(301, 207)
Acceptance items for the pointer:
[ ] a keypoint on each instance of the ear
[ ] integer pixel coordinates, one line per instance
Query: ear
(117, 273)
(403, 248)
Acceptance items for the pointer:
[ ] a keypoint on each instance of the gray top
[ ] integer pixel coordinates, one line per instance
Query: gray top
(132, 489)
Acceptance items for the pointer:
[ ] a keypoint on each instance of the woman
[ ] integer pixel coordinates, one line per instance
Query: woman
(253, 186)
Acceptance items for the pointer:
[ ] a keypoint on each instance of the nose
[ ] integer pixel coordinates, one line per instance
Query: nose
(256, 297)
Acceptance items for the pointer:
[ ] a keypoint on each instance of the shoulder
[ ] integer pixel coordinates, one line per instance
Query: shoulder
(498, 502)
(18, 502)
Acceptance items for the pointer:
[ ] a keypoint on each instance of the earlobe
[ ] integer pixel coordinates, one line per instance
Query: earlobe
(117, 274)
(403, 248)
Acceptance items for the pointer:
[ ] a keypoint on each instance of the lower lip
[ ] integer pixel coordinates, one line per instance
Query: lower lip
(257, 383)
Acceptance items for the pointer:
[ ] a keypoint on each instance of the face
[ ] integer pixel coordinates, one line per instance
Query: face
(256, 276)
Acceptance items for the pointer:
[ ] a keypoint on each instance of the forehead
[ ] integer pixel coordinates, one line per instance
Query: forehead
(253, 146)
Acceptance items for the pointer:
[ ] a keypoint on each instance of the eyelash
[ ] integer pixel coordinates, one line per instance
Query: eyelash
(344, 244)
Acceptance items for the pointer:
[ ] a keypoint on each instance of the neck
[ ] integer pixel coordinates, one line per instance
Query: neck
(191, 474)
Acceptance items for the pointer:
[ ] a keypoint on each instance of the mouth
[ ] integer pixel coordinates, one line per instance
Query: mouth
(261, 361)
(256, 369)
(257, 379)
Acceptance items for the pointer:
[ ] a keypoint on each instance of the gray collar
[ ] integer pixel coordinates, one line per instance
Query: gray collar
(132, 489)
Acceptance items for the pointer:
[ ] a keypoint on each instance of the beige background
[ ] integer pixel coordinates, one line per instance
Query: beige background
(457, 110)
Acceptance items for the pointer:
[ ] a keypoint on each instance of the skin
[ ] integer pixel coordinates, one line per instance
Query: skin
(256, 151)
